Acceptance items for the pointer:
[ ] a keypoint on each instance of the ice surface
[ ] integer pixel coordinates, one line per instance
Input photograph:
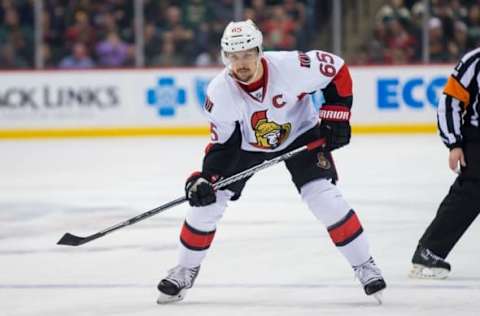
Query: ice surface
(270, 256)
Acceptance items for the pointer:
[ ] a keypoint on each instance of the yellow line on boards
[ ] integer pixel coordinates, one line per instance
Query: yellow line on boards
(188, 131)
(104, 132)
(395, 129)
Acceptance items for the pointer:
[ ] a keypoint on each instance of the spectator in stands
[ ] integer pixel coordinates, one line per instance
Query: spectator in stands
(154, 10)
(454, 27)
(106, 24)
(53, 27)
(153, 43)
(394, 9)
(444, 13)
(223, 13)
(16, 35)
(81, 30)
(168, 56)
(249, 14)
(400, 44)
(113, 16)
(112, 51)
(10, 60)
(458, 46)
(182, 37)
(47, 58)
(459, 11)
(211, 57)
(376, 46)
(296, 11)
(191, 24)
(473, 24)
(197, 14)
(279, 30)
(437, 41)
(122, 16)
(79, 59)
(260, 10)
(416, 29)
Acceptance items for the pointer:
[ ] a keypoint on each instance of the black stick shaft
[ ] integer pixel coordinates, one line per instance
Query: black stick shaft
(72, 240)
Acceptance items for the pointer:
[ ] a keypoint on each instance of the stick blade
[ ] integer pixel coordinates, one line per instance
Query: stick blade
(71, 240)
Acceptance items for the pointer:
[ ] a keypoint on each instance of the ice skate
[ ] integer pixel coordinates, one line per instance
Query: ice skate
(427, 265)
(371, 278)
(174, 287)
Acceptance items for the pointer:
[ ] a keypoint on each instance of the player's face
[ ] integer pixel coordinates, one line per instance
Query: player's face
(244, 63)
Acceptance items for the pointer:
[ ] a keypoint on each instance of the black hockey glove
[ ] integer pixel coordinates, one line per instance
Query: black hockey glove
(335, 125)
(199, 190)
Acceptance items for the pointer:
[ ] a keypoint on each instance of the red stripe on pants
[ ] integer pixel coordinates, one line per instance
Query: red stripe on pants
(346, 230)
(195, 239)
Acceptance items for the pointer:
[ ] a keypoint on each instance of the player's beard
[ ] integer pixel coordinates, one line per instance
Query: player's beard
(249, 75)
(244, 74)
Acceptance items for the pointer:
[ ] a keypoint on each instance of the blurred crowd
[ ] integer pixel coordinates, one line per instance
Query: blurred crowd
(89, 33)
(189, 32)
(453, 29)
(76, 34)
(16, 34)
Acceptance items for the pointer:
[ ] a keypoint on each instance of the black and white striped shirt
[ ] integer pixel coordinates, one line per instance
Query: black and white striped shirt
(458, 107)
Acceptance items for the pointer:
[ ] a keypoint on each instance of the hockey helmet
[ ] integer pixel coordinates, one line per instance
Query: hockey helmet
(239, 36)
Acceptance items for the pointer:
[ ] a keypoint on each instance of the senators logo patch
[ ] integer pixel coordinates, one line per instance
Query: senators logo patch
(323, 162)
(269, 134)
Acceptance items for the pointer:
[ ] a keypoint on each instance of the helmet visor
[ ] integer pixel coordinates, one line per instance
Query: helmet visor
(246, 56)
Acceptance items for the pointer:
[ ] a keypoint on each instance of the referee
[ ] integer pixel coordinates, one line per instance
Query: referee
(458, 124)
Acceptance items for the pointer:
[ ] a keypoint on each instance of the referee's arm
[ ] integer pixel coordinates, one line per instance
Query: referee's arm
(453, 102)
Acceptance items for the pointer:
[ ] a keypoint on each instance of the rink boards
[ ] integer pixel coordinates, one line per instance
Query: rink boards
(169, 101)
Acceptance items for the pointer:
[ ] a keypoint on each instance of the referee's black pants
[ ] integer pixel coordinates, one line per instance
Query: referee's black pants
(458, 209)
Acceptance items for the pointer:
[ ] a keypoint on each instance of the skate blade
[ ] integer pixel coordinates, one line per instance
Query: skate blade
(378, 296)
(422, 272)
(168, 299)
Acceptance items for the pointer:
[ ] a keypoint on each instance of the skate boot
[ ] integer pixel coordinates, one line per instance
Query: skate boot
(173, 288)
(427, 265)
(371, 278)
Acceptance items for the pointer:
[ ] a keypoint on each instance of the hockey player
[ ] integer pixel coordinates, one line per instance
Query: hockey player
(458, 123)
(259, 107)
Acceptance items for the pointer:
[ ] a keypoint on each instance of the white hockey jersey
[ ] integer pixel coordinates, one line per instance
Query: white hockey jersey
(282, 111)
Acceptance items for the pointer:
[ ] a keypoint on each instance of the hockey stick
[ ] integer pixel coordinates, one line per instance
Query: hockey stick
(72, 240)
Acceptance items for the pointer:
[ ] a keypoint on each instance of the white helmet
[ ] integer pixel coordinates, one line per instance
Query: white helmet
(240, 36)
